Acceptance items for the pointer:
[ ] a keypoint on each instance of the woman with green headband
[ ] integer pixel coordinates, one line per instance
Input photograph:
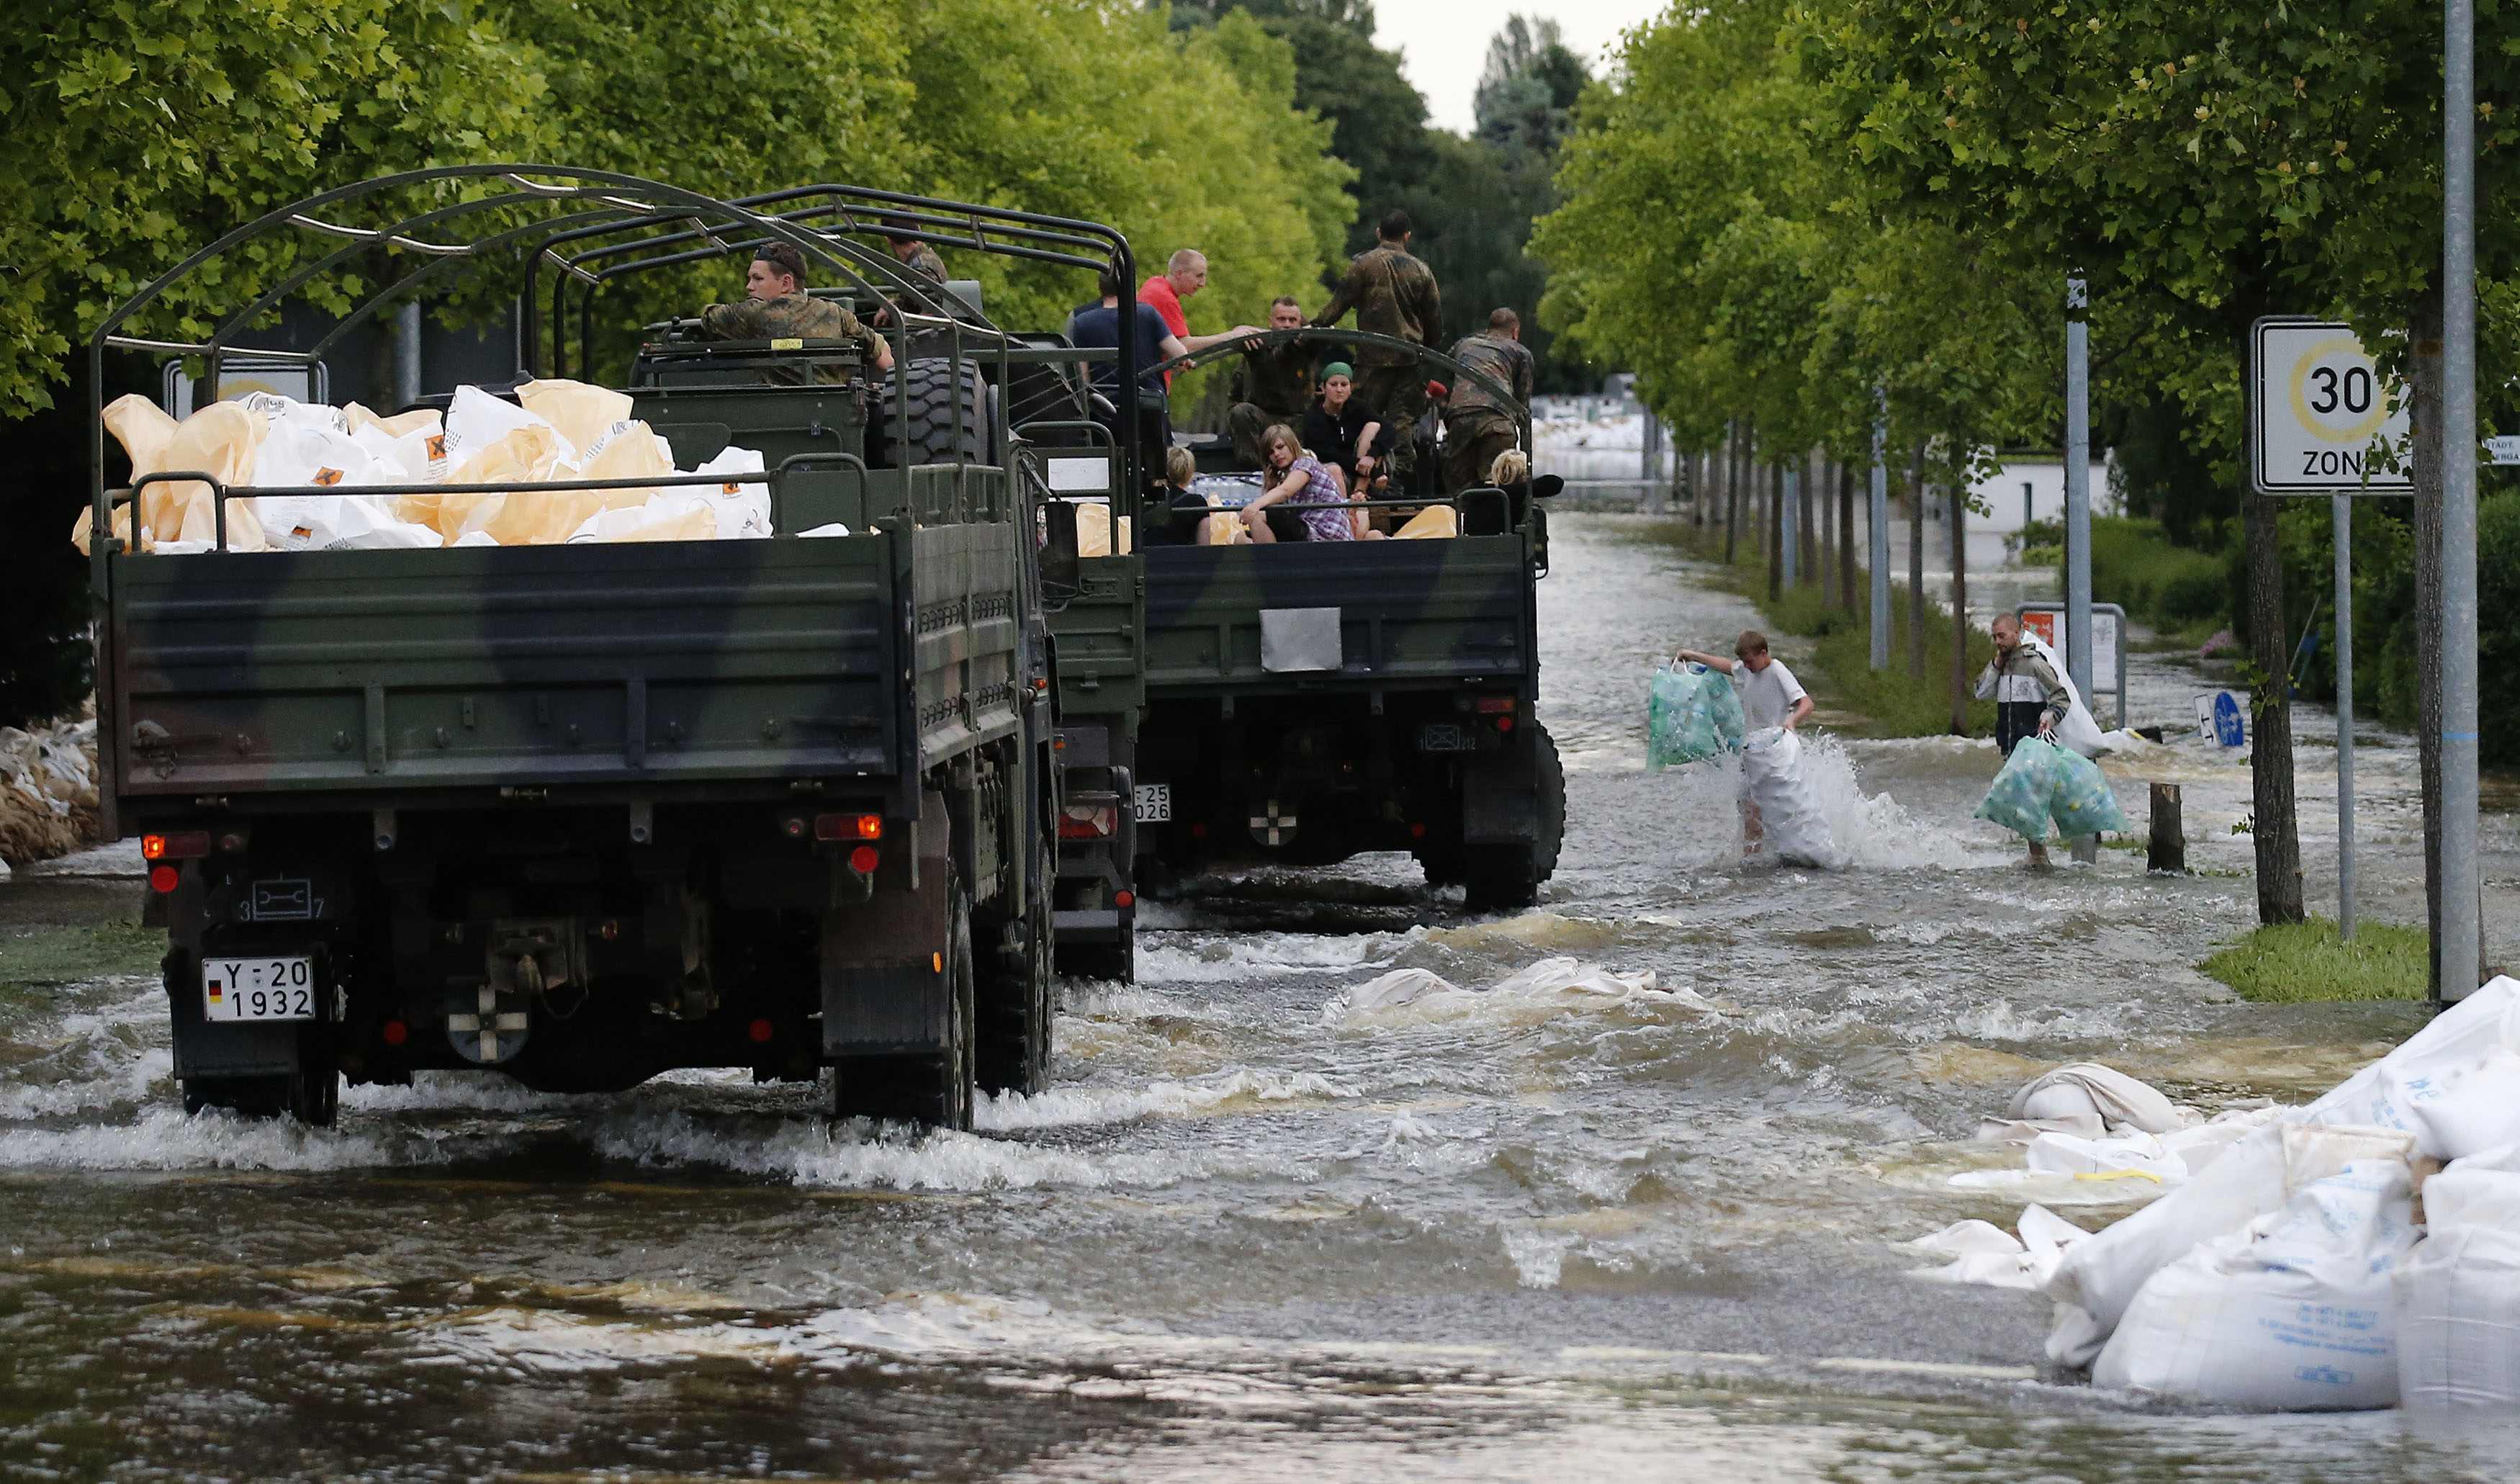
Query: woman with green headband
(1344, 432)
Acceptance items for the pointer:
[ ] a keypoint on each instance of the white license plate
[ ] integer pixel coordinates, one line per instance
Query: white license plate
(258, 989)
(1155, 803)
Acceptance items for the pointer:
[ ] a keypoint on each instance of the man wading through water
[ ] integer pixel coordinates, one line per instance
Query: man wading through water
(1770, 696)
(2029, 699)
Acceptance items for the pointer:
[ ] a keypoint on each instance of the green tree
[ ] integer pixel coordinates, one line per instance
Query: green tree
(2221, 172)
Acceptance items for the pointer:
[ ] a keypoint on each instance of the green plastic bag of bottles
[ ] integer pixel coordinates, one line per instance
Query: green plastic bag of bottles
(2043, 784)
(1691, 714)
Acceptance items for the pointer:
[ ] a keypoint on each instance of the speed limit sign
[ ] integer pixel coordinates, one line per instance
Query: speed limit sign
(2321, 415)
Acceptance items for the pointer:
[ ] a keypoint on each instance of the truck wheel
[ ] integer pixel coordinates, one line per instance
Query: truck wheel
(253, 1097)
(1507, 877)
(1017, 1009)
(315, 1088)
(932, 1088)
(948, 424)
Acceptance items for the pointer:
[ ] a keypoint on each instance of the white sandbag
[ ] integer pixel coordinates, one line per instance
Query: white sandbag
(2458, 1292)
(669, 517)
(1985, 1254)
(2087, 1099)
(1572, 978)
(2079, 729)
(475, 420)
(345, 522)
(742, 506)
(581, 411)
(2292, 1312)
(2454, 1108)
(2199, 1145)
(836, 528)
(1792, 828)
(2463, 1033)
(1401, 986)
(2255, 1175)
(298, 453)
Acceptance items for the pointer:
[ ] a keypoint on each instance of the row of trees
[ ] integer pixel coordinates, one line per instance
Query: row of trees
(1474, 196)
(135, 133)
(1783, 204)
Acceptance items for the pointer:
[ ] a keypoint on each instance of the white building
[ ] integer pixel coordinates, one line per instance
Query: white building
(2029, 487)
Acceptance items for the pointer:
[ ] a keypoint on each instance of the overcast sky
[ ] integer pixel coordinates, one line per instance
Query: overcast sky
(1445, 42)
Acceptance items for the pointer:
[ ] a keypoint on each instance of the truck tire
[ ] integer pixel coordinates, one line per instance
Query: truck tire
(932, 1088)
(949, 423)
(1104, 961)
(1015, 998)
(1507, 877)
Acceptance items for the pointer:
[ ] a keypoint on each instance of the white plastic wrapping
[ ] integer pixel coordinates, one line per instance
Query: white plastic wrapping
(2458, 1292)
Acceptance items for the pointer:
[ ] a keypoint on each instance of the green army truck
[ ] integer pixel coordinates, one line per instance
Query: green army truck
(1059, 437)
(583, 814)
(1310, 700)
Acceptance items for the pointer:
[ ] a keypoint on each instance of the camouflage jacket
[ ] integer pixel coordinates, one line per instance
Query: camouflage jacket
(1392, 293)
(925, 261)
(1504, 361)
(1278, 379)
(791, 316)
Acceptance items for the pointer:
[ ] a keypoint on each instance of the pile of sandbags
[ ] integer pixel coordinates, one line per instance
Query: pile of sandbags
(556, 430)
(2349, 1253)
(48, 802)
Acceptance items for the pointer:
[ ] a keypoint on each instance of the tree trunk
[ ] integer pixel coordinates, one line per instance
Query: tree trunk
(1731, 491)
(1917, 562)
(2424, 376)
(1846, 538)
(1825, 474)
(1776, 530)
(1805, 537)
(1960, 611)
(2275, 829)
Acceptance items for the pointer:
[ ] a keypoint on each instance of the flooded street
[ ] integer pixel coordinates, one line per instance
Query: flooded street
(1257, 1231)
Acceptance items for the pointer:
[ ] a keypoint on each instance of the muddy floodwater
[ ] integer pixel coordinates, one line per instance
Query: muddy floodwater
(1255, 1232)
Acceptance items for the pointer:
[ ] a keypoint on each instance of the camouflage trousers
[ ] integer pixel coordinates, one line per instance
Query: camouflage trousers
(1399, 393)
(1472, 442)
(1249, 421)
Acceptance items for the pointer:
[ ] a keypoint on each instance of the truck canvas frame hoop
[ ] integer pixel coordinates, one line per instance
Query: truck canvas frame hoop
(579, 814)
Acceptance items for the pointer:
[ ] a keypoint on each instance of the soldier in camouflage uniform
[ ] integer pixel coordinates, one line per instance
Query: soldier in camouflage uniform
(914, 255)
(1476, 428)
(776, 307)
(1392, 293)
(1274, 385)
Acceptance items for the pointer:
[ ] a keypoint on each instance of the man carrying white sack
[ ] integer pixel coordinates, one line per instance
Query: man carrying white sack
(1770, 696)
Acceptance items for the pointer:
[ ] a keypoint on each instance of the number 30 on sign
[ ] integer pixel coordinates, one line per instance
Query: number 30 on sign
(2319, 413)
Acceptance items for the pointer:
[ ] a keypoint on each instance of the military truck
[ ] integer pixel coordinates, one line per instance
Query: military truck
(583, 814)
(1059, 437)
(1308, 702)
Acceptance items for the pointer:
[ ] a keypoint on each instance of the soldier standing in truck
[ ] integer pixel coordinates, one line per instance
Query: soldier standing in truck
(776, 307)
(1478, 426)
(1393, 294)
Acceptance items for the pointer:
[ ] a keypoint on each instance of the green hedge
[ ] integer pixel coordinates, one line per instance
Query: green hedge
(2171, 588)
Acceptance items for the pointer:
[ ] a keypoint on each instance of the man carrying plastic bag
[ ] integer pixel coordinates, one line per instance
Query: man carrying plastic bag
(2033, 698)
(1691, 714)
(2043, 784)
(1778, 808)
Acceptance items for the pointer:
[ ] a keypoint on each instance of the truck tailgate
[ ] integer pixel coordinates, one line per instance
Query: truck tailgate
(1409, 611)
(330, 671)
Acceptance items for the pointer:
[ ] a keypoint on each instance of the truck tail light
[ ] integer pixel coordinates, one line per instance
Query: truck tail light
(1089, 822)
(848, 827)
(163, 878)
(1493, 704)
(863, 859)
(185, 845)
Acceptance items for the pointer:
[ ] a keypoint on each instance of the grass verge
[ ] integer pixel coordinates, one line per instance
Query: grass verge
(2301, 963)
(1837, 644)
(46, 956)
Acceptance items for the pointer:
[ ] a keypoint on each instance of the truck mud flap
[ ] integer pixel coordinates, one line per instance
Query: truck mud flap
(883, 990)
(1500, 799)
(243, 1048)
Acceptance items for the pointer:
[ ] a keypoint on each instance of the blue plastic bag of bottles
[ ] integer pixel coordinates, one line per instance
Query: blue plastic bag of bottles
(1691, 714)
(2043, 784)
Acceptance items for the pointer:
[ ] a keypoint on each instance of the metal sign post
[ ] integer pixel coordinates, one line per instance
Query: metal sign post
(2463, 902)
(2318, 411)
(2342, 509)
(1789, 517)
(2078, 511)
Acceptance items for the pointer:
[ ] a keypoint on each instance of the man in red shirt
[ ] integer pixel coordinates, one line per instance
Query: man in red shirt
(1184, 274)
